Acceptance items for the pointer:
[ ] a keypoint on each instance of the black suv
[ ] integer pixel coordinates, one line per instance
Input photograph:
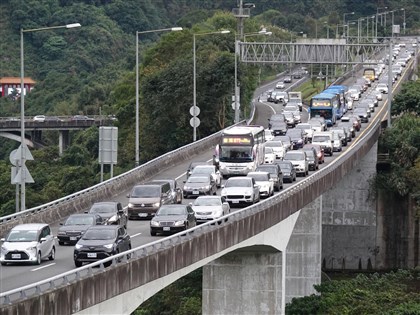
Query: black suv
(111, 212)
(100, 242)
(275, 173)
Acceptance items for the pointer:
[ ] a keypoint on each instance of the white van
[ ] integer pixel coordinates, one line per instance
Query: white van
(31, 242)
(325, 139)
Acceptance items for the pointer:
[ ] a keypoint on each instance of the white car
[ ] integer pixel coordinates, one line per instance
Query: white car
(269, 155)
(208, 169)
(39, 118)
(265, 182)
(299, 161)
(268, 135)
(241, 190)
(277, 147)
(382, 87)
(28, 243)
(208, 208)
(307, 128)
(280, 85)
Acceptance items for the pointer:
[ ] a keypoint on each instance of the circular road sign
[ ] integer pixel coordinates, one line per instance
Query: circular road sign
(195, 122)
(195, 112)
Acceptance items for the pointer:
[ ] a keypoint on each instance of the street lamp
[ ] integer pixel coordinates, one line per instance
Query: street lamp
(403, 19)
(237, 91)
(359, 28)
(195, 80)
(344, 19)
(137, 157)
(23, 147)
(377, 11)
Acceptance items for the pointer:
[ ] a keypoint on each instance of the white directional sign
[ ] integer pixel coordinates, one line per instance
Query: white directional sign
(194, 111)
(195, 122)
(18, 178)
(26, 153)
(233, 106)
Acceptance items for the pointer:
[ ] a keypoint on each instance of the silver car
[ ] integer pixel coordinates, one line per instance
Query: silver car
(28, 243)
(208, 208)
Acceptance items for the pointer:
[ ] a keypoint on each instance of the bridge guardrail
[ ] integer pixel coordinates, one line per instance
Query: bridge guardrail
(56, 210)
(243, 223)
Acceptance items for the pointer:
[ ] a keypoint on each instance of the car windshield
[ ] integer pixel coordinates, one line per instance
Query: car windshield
(303, 126)
(99, 234)
(237, 182)
(294, 156)
(145, 191)
(320, 139)
(259, 177)
(79, 220)
(274, 144)
(22, 236)
(207, 201)
(202, 170)
(270, 169)
(102, 208)
(285, 166)
(172, 210)
(268, 150)
(198, 179)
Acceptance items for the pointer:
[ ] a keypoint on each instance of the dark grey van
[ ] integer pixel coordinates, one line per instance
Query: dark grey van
(145, 199)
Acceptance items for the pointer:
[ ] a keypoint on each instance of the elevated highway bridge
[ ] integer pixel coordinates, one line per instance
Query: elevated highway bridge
(275, 245)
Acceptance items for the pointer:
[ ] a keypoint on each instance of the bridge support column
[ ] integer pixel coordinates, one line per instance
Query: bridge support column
(255, 280)
(63, 141)
(349, 219)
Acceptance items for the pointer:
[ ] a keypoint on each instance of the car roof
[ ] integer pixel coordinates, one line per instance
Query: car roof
(29, 226)
(105, 203)
(104, 227)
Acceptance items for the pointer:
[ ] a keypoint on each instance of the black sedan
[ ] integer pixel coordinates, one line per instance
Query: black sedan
(199, 185)
(288, 170)
(172, 219)
(100, 242)
(75, 226)
(111, 212)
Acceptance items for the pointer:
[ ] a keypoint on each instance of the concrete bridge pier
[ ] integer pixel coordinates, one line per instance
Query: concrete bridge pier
(285, 262)
(63, 141)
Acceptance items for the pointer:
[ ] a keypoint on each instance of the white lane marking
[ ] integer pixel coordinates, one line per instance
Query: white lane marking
(134, 235)
(185, 173)
(39, 268)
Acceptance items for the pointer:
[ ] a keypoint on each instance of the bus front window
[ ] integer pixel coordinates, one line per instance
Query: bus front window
(236, 154)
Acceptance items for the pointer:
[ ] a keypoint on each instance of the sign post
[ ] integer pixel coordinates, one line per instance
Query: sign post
(108, 148)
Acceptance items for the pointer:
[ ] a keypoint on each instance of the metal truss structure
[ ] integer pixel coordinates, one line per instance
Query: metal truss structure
(312, 52)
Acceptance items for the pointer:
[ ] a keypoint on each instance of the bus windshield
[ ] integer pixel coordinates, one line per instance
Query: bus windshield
(325, 113)
(235, 154)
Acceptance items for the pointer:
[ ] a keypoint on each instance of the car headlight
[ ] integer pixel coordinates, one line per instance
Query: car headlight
(206, 187)
(78, 246)
(156, 204)
(112, 219)
(179, 223)
(130, 205)
(31, 248)
(3, 248)
(250, 166)
(109, 246)
(154, 223)
(61, 233)
(300, 141)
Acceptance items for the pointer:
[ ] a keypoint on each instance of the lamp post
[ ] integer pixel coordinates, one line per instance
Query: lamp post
(344, 20)
(403, 19)
(195, 75)
(328, 29)
(137, 157)
(358, 29)
(23, 147)
(237, 90)
(377, 11)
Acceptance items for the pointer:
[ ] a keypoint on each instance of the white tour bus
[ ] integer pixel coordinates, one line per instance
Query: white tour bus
(241, 150)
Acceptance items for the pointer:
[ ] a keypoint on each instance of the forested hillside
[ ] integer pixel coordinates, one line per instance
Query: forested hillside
(91, 70)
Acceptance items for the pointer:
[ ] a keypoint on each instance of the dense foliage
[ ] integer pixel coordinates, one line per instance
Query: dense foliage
(402, 143)
(394, 293)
